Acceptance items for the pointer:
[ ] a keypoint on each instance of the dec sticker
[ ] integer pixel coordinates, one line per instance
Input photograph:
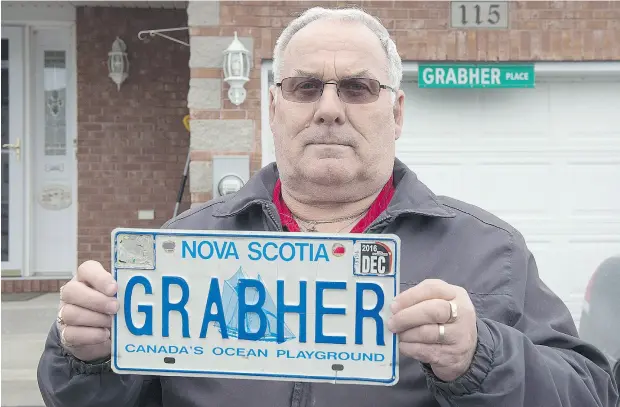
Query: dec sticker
(373, 259)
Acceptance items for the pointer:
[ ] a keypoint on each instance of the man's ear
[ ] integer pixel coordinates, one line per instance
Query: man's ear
(272, 102)
(399, 113)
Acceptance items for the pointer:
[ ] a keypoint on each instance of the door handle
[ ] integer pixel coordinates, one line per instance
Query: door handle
(16, 147)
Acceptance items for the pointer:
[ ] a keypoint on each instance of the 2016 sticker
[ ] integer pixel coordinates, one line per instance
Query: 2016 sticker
(373, 259)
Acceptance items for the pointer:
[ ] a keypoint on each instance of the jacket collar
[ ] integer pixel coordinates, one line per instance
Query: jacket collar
(410, 196)
(413, 196)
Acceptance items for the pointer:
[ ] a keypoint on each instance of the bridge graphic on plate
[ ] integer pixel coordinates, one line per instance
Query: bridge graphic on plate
(230, 300)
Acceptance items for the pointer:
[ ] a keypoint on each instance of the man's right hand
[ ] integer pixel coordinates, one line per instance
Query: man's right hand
(87, 306)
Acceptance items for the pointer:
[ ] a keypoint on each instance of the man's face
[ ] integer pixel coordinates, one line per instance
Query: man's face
(329, 141)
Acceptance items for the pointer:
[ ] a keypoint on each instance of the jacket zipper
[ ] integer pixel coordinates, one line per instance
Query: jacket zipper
(278, 226)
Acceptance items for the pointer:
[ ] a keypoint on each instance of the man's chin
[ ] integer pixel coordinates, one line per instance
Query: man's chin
(330, 171)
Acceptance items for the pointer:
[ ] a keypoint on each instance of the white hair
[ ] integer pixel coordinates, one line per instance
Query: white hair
(394, 63)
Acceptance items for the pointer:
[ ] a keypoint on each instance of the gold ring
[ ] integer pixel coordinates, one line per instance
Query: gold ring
(442, 333)
(453, 312)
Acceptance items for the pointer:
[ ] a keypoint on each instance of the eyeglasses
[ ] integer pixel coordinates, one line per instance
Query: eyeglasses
(350, 90)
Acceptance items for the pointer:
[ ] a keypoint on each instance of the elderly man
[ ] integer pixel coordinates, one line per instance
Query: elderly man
(477, 327)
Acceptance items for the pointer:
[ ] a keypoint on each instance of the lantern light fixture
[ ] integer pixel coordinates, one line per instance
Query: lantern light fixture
(118, 63)
(236, 65)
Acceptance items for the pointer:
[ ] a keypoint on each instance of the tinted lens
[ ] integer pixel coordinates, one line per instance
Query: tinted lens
(359, 90)
(302, 89)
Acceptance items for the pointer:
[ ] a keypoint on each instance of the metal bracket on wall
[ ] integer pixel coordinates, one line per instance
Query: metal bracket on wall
(152, 33)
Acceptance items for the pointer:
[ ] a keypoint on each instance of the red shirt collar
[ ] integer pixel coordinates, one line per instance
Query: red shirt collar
(379, 205)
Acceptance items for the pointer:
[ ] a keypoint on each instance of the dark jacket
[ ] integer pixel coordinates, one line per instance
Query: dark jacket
(528, 354)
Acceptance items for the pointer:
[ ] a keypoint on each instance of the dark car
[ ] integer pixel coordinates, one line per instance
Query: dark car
(600, 317)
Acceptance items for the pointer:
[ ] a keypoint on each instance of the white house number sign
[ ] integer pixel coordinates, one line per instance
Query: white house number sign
(479, 14)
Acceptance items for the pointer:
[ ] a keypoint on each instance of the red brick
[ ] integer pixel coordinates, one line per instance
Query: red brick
(233, 114)
(8, 286)
(253, 115)
(201, 196)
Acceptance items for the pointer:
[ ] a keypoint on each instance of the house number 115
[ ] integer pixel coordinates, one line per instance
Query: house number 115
(469, 14)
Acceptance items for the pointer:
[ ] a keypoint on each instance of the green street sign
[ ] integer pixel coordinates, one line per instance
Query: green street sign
(475, 76)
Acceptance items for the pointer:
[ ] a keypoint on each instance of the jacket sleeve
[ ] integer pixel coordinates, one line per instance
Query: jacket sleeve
(65, 381)
(534, 357)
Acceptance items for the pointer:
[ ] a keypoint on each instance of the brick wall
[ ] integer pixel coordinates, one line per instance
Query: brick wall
(35, 286)
(132, 144)
(539, 30)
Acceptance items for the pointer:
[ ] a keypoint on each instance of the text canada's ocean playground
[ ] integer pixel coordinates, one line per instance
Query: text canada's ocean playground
(255, 352)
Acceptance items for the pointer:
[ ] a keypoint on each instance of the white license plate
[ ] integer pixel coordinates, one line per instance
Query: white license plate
(280, 306)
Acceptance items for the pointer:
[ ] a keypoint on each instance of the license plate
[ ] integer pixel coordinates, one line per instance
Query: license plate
(255, 305)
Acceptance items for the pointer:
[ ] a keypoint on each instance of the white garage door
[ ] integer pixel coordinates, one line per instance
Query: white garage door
(547, 160)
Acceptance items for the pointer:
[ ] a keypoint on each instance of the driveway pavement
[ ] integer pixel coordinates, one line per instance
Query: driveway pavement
(24, 329)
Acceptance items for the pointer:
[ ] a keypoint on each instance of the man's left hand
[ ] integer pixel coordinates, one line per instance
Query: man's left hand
(436, 324)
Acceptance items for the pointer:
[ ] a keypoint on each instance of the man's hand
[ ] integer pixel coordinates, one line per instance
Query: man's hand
(422, 313)
(85, 312)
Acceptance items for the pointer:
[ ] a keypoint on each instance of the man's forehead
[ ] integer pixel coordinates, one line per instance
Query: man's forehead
(333, 64)
(327, 48)
(347, 72)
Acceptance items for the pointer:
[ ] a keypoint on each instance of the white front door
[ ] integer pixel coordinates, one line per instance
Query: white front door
(12, 151)
(54, 194)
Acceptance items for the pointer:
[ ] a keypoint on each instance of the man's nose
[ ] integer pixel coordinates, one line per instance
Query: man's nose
(330, 108)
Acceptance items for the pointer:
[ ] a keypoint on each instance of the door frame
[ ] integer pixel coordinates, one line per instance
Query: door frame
(15, 267)
(29, 17)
